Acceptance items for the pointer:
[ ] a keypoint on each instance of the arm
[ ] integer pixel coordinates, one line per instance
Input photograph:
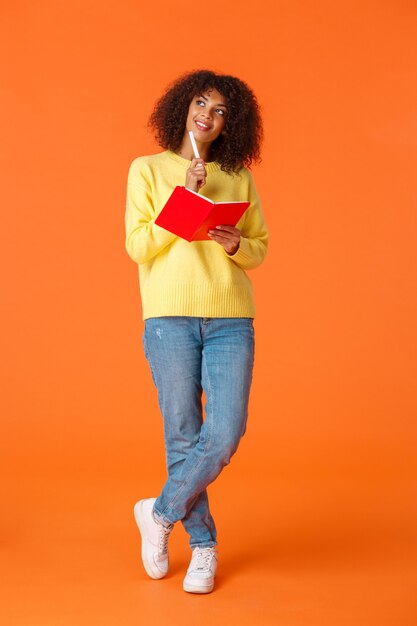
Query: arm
(144, 238)
(251, 240)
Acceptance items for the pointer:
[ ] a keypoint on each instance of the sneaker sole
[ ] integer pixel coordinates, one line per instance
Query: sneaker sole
(198, 588)
(152, 573)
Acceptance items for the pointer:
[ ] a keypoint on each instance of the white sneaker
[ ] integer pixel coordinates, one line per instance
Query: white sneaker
(154, 539)
(201, 571)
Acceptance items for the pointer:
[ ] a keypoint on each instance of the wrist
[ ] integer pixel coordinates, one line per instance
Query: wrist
(234, 250)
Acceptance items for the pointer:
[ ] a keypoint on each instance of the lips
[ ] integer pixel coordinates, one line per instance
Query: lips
(202, 126)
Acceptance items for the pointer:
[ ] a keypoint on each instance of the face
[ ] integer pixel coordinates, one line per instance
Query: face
(207, 115)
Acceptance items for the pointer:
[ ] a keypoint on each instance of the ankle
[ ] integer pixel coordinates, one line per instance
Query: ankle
(158, 519)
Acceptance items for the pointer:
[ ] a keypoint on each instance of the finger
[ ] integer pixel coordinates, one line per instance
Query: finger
(197, 176)
(227, 234)
(228, 228)
(197, 163)
(223, 240)
(227, 245)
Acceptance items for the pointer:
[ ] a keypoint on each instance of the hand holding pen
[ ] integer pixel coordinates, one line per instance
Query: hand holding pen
(196, 173)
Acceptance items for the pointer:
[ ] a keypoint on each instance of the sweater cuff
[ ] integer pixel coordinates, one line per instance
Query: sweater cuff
(243, 255)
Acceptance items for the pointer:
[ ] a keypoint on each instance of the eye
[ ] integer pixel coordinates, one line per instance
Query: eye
(221, 111)
(199, 102)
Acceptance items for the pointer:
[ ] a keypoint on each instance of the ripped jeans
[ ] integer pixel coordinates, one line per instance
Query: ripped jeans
(188, 355)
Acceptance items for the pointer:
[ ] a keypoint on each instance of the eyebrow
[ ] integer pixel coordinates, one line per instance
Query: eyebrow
(220, 104)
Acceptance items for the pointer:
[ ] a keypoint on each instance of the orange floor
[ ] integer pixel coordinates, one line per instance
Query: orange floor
(333, 556)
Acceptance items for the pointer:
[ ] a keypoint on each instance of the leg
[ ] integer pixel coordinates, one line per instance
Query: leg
(173, 348)
(227, 362)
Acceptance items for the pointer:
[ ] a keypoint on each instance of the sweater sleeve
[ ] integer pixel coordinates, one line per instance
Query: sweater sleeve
(254, 234)
(144, 238)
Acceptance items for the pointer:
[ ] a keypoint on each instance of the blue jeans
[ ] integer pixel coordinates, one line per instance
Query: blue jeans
(188, 355)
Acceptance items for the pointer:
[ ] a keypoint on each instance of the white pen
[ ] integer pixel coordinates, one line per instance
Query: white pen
(194, 145)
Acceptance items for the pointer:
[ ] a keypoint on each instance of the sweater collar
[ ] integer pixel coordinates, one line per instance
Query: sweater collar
(212, 166)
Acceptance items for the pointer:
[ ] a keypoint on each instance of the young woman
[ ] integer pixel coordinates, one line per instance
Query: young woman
(197, 303)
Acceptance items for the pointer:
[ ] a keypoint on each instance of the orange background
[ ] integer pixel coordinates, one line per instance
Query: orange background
(317, 511)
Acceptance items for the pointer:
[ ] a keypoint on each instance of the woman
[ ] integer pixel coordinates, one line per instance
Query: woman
(197, 304)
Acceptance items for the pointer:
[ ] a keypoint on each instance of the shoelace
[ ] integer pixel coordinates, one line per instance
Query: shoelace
(163, 539)
(203, 558)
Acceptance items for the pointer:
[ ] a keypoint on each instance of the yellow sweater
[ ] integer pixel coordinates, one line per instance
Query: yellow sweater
(199, 278)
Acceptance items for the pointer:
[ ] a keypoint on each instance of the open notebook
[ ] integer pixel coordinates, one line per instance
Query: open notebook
(190, 215)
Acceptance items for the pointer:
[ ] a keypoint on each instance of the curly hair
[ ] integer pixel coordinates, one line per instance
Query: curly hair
(239, 146)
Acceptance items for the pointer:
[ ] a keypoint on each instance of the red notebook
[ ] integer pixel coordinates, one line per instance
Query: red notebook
(191, 216)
